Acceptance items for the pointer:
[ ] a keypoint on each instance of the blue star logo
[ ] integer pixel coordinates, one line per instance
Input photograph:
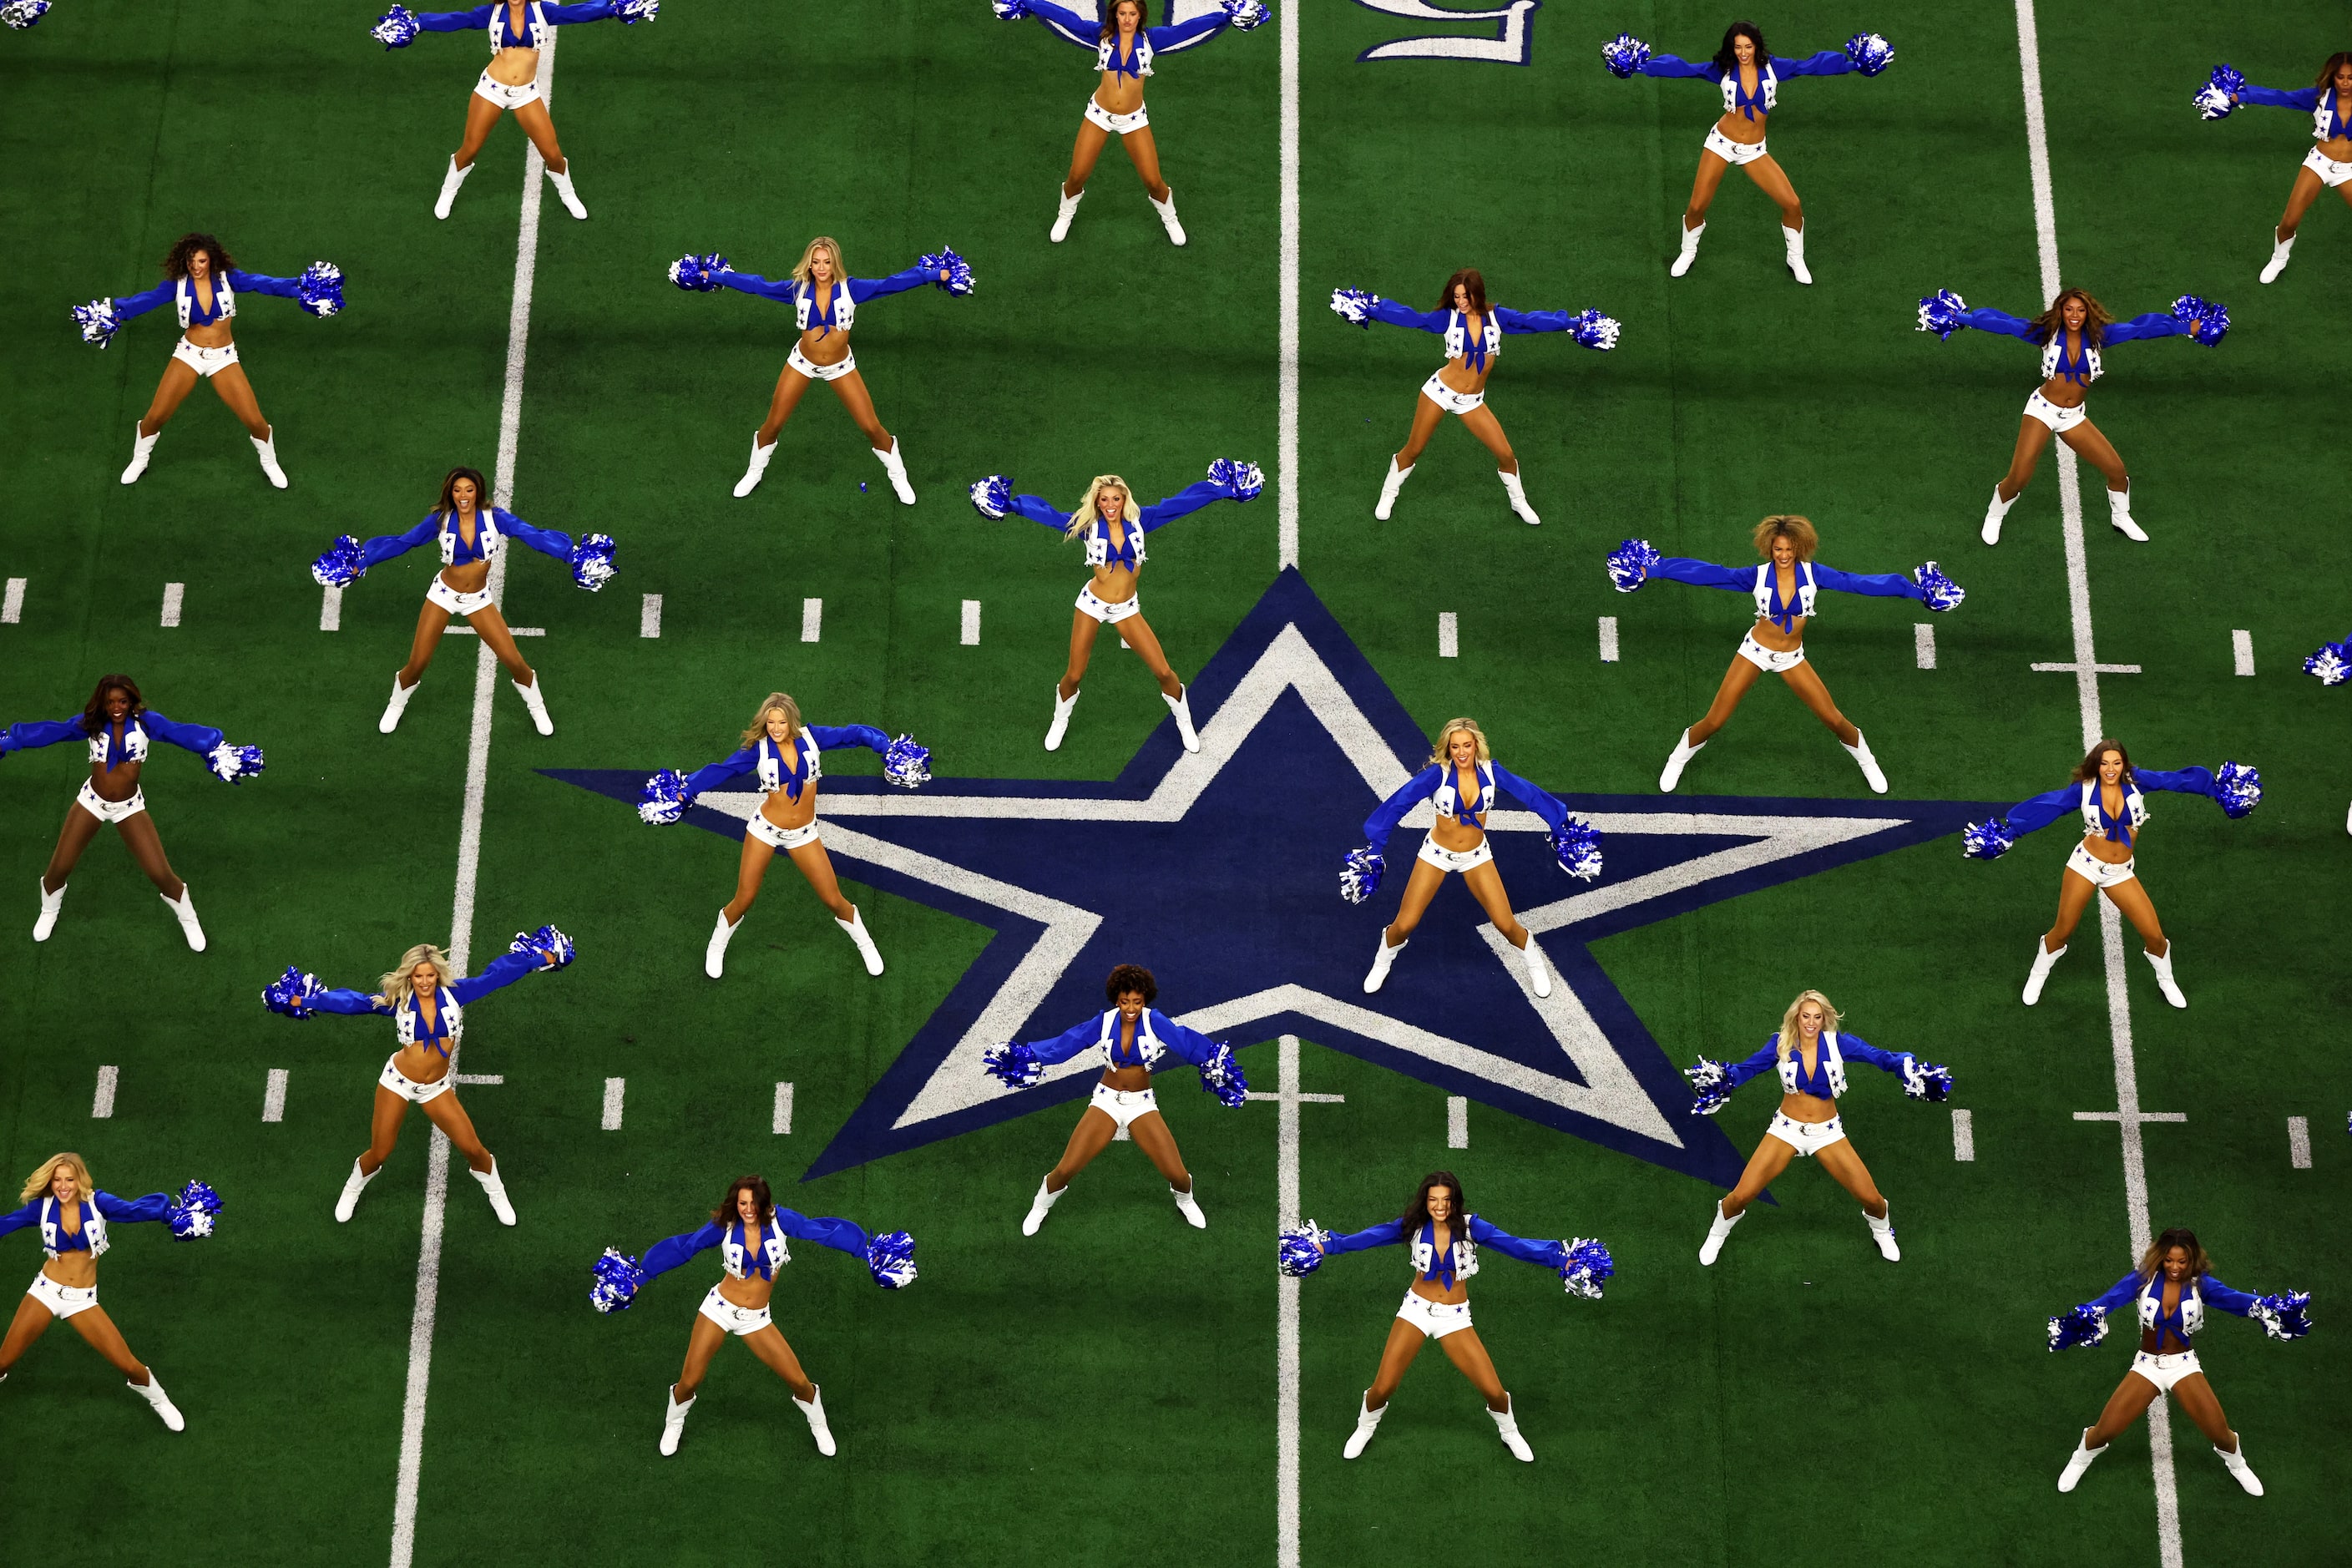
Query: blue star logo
(1220, 870)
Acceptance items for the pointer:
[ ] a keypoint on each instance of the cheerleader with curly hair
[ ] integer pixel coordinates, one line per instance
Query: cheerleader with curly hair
(1133, 1037)
(787, 757)
(119, 727)
(73, 1216)
(2329, 165)
(1124, 48)
(1474, 339)
(204, 281)
(2111, 795)
(1750, 76)
(1113, 528)
(2169, 1292)
(426, 1000)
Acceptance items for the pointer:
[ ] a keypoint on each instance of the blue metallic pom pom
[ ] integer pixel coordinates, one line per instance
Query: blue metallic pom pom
(1010, 10)
(1943, 594)
(698, 274)
(592, 561)
(891, 1257)
(1354, 306)
(1928, 1081)
(1870, 53)
(2332, 663)
(907, 764)
(235, 764)
(193, 1213)
(632, 12)
(1246, 16)
(397, 28)
(22, 13)
(992, 497)
(2239, 788)
(1987, 840)
(1299, 1250)
(1624, 55)
(291, 993)
(959, 271)
(1592, 329)
(1242, 480)
(2078, 1327)
(1013, 1064)
(1222, 1076)
(2210, 321)
(1359, 874)
(618, 1281)
(1587, 1268)
(2286, 1316)
(1941, 313)
(662, 801)
(1712, 1080)
(1576, 844)
(2212, 101)
(341, 566)
(1630, 562)
(319, 289)
(2229, 78)
(97, 322)
(545, 943)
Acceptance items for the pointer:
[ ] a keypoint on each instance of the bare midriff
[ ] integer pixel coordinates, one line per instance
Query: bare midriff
(1736, 126)
(1430, 1290)
(466, 576)
(2068, 394)
(1127, 1080)
(1449, 832)
(516, 67)
(420, 1063)
(1119, 94)
(119, 781)
(1456, 375)
(780, 810)
(1808, 1108)
(2152, 1341)
(1115, 584)
(1768, 633)
(207, 334)
(822, 346)
(74, 1271)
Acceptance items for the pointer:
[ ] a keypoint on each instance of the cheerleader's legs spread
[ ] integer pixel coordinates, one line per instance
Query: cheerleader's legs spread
(1476, 867)
(45, 1301)
(2084, 875)
(848, 385)
(715, 1320)
(2151, 1377)
(1753, 660)
(1134, 132)
(2044, 419)
(1420, 1319)
(1436, 401)
(1126, 616)
(479, 611)
(762, 839)
(219, 365)
(1785, 1139)
(2319, 172)
(394, 1093)
(491, 100)
(88, 813)
(1720, 152)
(1112, 1114)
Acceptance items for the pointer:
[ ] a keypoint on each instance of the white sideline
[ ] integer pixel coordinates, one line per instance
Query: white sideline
(470, 855)
(1285, 458)
(2086, 671)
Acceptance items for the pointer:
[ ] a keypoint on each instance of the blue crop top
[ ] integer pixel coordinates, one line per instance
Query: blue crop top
(200, 313)
(1440, 1268)
(824, 313)
(1129, 552)
(2089, 798)
(1156, 1035)
(746, 1255)
(2173, 1328)
(449, 1004)
(2308, 99)
(113, 1210)
(1829, 62)
(114, 745)
(779, 772)
(2077, 358)
(1810, 577)
(1437, 781)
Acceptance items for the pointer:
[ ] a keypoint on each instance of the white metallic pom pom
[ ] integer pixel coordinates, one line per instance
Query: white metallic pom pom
(1354, 306)
(992, 497)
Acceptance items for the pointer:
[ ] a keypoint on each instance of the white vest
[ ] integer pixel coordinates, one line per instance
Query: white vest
(2323, 116)
(1142, 52)
(404, 1017)
(1806, 591)
(1765, 79)
(222, 296)
(1447, 797)
(844, 308)
(2092, 368)
(2192, 1305)
(772, 1246)
(1147, 1044)
(486, 534)
(1098, 543)
(134, 743)
(1457, 334)
(772, 762)
(540, 27)
(2135, 808)
(1465, 1254)
(93, 1228)
(1793, 1063)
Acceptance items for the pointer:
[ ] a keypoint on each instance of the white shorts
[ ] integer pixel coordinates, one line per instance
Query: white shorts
(1124, 1106)
(1771, 660)
(105, 810)
(1455, 859)
(815, 372)
(1117, 124)
(454, 602)
(776, 837)
(1091, 604)
(409, 1088)
(61, 1301)
(2060, 420)
(1807, 1138)
(1446, 398)
(506, 96)
(1730, 152)
(2164, 1371)
(206, 363)
(1434, 1319)
(2095, 871)
(2331, 173)
(735, 1320)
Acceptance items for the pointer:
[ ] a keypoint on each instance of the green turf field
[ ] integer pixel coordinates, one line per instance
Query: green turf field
(1111, 1390)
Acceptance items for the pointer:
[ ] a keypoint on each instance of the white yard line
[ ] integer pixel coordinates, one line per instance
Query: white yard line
(649, 617)
(616, 1091)
(101, 1101)
(970, 636)
(1964, 1136)
(1287, 1099)
(469, 856)
(1449, 634)
(782, 1122)
(330, 608)
(811, 619)
(2298, 1142)
(175, 595)
(2086, 671)
(273, 1096)
(12, 603)
(1457, 1122)
(1609, 639)
(1286, 459)
(1923, 644)
(2241, 652)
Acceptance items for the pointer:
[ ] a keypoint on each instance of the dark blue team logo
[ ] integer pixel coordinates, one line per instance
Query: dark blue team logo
(1220, 870)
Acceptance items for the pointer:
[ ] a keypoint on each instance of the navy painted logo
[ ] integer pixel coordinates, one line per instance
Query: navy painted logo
(1218, 870)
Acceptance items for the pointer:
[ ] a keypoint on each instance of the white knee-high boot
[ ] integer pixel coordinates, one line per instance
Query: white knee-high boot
(894, 465)
(1063, 707)
(1388, 488)
(534, 697)
(2119, 514)
(1995, 511)
(449, 183)
(673, 1419)
(1180, 706)
(1718, 1231)
(853, 928)
(142, 448)
(183, 908)
(1069, 210)
(1040, 1206)
(1368, 1421)
(1518, 494)
(1689, 251)
(814, 1409)
(2045, 959)
(1794, 238)
(265, 448)
(562, 184)
(1507, 1427)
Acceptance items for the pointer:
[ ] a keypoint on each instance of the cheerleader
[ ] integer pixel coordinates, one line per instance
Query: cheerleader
(1444, 1242)
(73, 1216)
(1113, 528)
(2328, 101)
(1474, 337)
(469, 537)
(427, 1002)
(119, 727)
(517, 31)
(2331, 662)
(788, 758)
(1123, 51)
(753, 1236)
(1749, 76)
(2070, 333)
(1811, 1055)
(2170, 1290)
(1786, 588)
(824, 299)
(2111, 795)
(1133, 1037)
(204, 281)
(1460, 781)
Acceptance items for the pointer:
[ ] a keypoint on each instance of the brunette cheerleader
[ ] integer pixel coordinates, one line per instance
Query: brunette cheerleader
(2329, 165)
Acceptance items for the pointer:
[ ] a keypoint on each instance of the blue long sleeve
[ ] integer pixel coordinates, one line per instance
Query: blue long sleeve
(546, 541)
(197, 738)
(1396, 315)
(2228, 1297)
(1877, 585)
(2041, 810)
(262, 283)
(1183, 33)
(1829, 62)
(592, 11)
(1390, 811)
(1670, 66)
(133, 1211)
(2303, 97)
(2182, 780)
(347, 1002)
(1186, 1045)
(456, 21)
(1078, 1037)
(840, 1234)
(1705, 573)
(1999, 321)
(669, 1252)
(1854, 1047)
(1040, 510)
(1060, 15)
(711, 775)
(1388, 1233)
(1543, 1254)
(833, 737)
(753, 283)
(126, 306)
(384, 547)
(2155, 324)
(1540, 801)
(864, 289)
(500, 973)
(35, 733)
(29, 1214)
(1534, 321)
(1763, 1061)
(2120, 1294)
(1188, 500)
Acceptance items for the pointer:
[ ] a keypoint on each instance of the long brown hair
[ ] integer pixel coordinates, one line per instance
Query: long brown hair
(2088, 768)
(93, 713)
(761, 1198)
(175, 260)
(1416, 1213)
(449, 491)
(2327, 72)
(1109, 14)
(1468, 278)
(1729, 61)
(2051, 322)
(2151, 1262)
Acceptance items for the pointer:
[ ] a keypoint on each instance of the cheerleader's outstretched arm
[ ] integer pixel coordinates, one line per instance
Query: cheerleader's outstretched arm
(1184, 502)
(2041, 810)
(18, 1220)
(2181, 781)
(1391, 314)
(1188, 1045)
(1388, 1233)
(1535, 321)
(1067, 1044)
(146, 299)
(671, 1251)
(1183, 33)
(349, 1003)
(1390, 811)
(198, 738)
(834, 737)
(712, 775)
(1999, 321)
(1705, 573)
(1535, 798)
(546, 541)
(753, 283)
(153, 1206)
(1876, 586)
(1829, 62)
(840, 1234)
(497, 975)
(36, 733)
(864, 289)
(592, 11)
(2155, 324)
(1763, 1061)
(1542, 1254)
(1046, 11)
(457, 21)
(262, 283)
(1855, 1049)
(384, 547)
(1670, 66)
(2306, 99)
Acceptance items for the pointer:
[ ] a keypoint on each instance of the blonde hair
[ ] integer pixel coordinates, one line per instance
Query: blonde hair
(801, 270)
(759, 725)
(1457, 726)
(397, 986)
(37, 1183)
(1083, 519)
(1798, 530)
(1788, 1040)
